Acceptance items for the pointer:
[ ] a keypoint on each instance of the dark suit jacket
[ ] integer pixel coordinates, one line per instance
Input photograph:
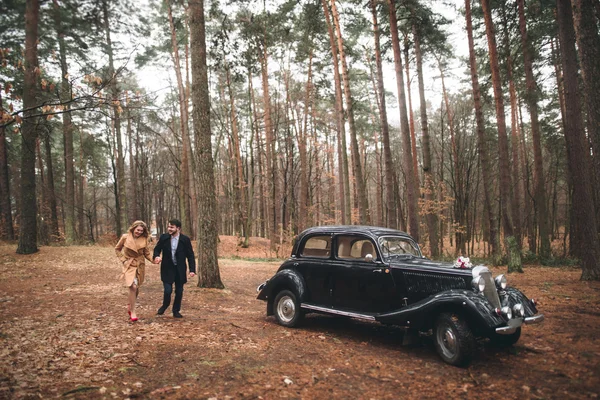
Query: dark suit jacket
(184, 252)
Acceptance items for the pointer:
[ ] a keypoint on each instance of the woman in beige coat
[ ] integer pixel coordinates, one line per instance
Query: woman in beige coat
(131, 250)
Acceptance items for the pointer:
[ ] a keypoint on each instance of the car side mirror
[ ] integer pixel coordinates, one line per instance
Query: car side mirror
(369, 258)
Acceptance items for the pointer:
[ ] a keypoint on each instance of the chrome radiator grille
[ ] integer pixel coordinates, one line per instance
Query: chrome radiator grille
(417, 282)
(490, 291)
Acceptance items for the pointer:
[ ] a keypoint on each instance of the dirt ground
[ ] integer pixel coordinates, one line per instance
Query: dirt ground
(64, 332)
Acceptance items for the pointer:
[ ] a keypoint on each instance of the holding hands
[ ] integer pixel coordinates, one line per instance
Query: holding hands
(157, 260)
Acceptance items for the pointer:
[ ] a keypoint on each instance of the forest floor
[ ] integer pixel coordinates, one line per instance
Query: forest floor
(64, 332)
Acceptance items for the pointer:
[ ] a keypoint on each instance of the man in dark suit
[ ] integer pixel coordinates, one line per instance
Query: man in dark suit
(176, 248)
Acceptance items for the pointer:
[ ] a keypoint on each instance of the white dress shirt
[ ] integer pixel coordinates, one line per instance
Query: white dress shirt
(174, 243)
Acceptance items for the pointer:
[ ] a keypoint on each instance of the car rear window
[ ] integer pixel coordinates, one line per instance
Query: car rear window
(317, 246)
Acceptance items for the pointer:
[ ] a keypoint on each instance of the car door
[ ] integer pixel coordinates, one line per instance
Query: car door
(313, 262)
(359, 284)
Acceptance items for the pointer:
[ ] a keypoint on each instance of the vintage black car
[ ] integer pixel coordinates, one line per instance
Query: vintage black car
(379, 274)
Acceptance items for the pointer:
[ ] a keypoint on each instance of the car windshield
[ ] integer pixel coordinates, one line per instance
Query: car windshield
(395, 246)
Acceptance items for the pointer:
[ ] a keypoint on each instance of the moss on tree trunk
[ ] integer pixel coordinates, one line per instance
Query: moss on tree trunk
(514, 255)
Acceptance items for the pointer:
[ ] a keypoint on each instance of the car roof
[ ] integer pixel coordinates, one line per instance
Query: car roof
(371, 231)
(364, 229)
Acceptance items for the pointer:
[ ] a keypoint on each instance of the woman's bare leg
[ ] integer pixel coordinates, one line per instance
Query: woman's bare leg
(133, 291)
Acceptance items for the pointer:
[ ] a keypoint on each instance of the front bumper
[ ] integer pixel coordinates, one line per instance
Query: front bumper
(515, 323)
(261, 286)
(536, 319)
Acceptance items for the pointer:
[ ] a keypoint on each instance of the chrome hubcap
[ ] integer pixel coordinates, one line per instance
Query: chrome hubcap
(447, 341)
(286, 309)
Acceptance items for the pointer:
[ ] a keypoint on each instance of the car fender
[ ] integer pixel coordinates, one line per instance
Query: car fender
(421, 315)
(512, 296)
(289, 279)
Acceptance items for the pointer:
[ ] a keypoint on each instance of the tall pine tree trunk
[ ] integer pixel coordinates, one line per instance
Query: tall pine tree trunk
(363, 203)
(329, 171)
(538, 162)
(208, 266)
(80, 199)
(429, 184)
(411, 186)
(344, 182)
(65, 95)
(250, 185)
(302, 150)
(528, 209)
(262, 207)
(271, 159)
(460, 210)
(6, 222)
(135, 211)
(288, 190)
(192, 187)
(411, 116)
(240, 183)
(555, 49)
(54, 233)
(514, 142)
(42, 234)
(390, 205)
(184, 184)
(506, 195)
(588, 46)
(378, 215)
(585, 234)
(121, 206)
(481, 142)
(28, 221)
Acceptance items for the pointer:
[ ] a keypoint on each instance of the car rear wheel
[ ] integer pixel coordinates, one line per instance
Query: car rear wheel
(287, 309)
(454, 340)
(506, 340)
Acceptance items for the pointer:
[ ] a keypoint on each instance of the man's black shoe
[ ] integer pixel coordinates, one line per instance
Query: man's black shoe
(161, 311)
(177, 315)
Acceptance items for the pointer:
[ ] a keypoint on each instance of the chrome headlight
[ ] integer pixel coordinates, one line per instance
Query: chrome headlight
(478, 283)
(507, 312)
(500, 281)
(519, 310)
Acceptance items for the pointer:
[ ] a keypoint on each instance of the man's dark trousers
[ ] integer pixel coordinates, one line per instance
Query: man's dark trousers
(178, 294)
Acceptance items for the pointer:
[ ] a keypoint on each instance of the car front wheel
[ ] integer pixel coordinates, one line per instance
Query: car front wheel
(287, 309)
(454, 340)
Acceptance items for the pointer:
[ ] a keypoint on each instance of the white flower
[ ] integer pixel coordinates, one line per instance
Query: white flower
(463, 262)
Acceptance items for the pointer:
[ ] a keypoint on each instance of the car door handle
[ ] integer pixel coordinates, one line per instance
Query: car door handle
(380, 270)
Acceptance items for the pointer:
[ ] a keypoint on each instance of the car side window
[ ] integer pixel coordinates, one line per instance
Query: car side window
(353, 247)
(317, 246)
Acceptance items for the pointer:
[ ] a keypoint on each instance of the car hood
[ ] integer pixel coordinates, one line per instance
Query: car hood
(426, 264)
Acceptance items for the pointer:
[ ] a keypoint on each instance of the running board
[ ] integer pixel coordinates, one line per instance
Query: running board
(338, 312)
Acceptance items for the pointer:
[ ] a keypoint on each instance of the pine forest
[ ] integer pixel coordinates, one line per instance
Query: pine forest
(472, 126)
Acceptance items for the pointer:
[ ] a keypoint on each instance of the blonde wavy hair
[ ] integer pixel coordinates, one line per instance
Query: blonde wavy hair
(146, 232)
